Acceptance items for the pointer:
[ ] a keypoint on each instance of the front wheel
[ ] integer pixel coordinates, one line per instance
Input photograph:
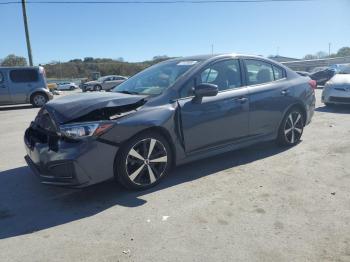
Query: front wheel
(291, 128)
(143, 161)
(97, 88)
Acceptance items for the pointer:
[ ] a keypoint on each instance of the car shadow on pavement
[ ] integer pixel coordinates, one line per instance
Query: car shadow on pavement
(16, 107)
(338, 109)
(27, 206)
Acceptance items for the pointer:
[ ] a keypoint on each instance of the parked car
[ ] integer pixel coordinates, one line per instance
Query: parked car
(103, 83)
(321, 77)
(337, 90)
(317, 69)
(21, 85)
(339, 67)
(67, 86)
(174, 112)
(303, 73)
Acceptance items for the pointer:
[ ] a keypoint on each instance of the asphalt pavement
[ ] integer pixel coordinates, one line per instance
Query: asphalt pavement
(262, 203)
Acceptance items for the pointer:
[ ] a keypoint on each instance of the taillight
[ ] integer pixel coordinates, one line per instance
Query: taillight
(313, 84)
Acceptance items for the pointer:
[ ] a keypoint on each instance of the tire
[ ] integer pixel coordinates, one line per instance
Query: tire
(97, 88)
(38, 99)
(291, 128)
(71, 88)
(137, 167)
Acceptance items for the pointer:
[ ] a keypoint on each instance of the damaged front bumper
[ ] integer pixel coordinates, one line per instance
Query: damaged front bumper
(62, 162)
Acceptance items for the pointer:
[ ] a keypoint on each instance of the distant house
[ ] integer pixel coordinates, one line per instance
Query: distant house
(282, 59)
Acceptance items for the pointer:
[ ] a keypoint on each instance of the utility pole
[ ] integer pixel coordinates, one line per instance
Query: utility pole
(329, 49)
(212, 49)
(27, 32)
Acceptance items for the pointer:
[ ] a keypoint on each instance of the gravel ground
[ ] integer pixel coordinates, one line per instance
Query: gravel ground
(262, 203)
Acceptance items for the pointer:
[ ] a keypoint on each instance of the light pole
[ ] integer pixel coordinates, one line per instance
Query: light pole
(27, 33)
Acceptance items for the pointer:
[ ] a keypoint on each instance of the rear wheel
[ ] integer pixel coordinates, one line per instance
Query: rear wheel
(71, 88)
(97, 88)
(291, 128)
(143, 161)
(38, 99)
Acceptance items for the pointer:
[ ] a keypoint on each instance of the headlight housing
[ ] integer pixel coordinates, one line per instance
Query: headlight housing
(81, 130)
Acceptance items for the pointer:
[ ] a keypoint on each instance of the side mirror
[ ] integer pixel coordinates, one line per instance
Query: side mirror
(206, 90)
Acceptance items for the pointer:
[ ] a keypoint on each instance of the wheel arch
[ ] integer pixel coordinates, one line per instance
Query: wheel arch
(159, 130)
(37, 92)
(298, 105)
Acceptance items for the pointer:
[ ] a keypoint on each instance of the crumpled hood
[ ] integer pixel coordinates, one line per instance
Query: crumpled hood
(70, 107)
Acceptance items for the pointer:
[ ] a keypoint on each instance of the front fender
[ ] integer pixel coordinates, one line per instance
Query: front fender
(161, 116)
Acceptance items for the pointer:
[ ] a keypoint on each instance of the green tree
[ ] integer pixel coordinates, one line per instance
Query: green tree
(344, 51)
(321, 54)
(88, 59)
(13, 60)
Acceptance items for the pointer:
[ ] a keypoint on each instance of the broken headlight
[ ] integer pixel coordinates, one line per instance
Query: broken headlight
(84, 129)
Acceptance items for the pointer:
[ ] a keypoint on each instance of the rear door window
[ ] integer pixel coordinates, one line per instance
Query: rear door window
(258, 72)
(24, 75)
(278, 72)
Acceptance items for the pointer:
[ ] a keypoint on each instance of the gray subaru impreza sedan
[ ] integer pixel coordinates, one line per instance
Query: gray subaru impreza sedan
(174, 112)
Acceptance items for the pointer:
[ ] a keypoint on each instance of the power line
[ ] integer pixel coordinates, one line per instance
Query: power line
(154, 2)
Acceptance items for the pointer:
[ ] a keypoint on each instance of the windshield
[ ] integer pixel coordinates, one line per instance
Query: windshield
(154, 80)
(345, 70)
(101, 79)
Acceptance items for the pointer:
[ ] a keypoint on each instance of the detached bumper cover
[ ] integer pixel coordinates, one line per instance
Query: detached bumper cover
(76, 164)
(310, 109)
(61, 178)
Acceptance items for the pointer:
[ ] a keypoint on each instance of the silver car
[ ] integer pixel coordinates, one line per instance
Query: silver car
(67, 86)
(337, 89)
(103, 83)
(21, 85)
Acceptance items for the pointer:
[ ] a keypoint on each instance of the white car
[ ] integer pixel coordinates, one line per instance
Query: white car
(103, 83)
(337, 89)
(67, 86)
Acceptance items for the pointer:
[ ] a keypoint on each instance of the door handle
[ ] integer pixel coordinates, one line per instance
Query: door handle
(241, 100)
(285, 92)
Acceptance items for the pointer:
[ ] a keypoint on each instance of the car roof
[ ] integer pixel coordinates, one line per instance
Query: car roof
(20, 67)
(216, 56)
